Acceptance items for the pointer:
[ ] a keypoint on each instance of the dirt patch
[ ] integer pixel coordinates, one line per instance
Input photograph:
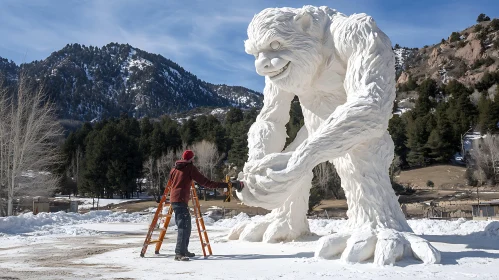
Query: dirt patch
(443, 176)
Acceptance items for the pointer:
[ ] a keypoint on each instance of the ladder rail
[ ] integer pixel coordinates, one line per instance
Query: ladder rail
(206, 242)
(155, 219)
(196, 215)
(163, 232)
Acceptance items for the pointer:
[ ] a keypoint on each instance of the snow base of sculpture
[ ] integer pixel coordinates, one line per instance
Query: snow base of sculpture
(386, 246)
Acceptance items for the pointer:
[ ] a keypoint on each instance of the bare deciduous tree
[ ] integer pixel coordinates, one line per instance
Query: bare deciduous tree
(485, 159)
(328, 180)
(207, 157)
(28, 142)
(157, 172)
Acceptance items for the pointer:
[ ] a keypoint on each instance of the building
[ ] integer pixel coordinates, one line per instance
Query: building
(486, 210)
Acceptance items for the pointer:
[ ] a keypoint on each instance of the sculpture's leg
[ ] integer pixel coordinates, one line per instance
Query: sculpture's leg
(376, 225)
(285, 223)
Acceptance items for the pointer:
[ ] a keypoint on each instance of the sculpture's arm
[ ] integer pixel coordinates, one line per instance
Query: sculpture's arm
(370, 88)
(268, 134)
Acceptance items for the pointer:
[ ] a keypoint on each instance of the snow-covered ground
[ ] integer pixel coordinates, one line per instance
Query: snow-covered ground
(106, 245)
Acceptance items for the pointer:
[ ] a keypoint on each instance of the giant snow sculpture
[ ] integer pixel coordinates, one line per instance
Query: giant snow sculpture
(342, 70)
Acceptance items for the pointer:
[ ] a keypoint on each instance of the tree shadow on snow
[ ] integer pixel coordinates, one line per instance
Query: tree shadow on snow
(487, 239)
(477, 241)
(453, 257)
(258, 256)
(238, 257)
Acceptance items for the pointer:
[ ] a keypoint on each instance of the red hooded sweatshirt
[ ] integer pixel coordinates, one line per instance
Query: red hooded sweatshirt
(182, 176)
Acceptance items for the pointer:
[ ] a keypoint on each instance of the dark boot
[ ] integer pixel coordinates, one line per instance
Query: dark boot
(181, 258)
(190, 255)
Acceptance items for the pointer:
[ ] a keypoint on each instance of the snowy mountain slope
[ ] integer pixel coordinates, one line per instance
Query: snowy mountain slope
(88, 83)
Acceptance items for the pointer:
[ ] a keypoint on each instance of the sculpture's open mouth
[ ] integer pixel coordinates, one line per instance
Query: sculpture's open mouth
(279, 73)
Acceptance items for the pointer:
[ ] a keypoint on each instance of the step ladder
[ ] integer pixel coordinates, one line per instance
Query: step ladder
(163, 226)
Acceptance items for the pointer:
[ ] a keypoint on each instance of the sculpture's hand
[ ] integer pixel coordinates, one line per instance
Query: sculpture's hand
(297, 164)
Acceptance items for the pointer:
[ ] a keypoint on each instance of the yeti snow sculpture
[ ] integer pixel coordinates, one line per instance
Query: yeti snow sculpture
(342, 70)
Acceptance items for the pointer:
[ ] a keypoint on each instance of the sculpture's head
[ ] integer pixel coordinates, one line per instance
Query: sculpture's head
(288, 44)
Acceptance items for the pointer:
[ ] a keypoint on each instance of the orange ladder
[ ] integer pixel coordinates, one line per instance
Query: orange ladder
(203, 234)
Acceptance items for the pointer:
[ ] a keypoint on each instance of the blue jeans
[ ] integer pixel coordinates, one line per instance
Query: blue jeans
(183, 221)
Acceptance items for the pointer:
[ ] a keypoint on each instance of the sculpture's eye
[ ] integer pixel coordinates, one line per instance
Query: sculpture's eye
(275, 45)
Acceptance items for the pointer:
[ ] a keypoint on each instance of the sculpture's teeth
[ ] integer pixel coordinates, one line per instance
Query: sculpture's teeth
(278, 72)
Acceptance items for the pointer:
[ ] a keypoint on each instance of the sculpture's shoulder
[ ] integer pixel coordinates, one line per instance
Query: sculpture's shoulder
(355, 24)
(355, 32)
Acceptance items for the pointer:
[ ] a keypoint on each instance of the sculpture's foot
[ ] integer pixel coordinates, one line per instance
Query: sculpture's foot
(386, 245)
(270, 229)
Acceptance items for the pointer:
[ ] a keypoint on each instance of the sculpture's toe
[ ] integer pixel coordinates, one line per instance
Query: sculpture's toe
(389, 247)
(236, 231)
(422, 249)
(331, 245)
(360, 246)
(254, 231)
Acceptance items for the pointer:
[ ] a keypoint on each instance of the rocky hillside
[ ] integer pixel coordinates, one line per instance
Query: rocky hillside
(464, 56)
(88, 83)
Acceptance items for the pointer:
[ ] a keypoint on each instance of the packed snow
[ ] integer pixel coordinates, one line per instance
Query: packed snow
(106, 245)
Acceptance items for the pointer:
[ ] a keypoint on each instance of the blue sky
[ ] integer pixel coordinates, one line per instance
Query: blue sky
(206, 37)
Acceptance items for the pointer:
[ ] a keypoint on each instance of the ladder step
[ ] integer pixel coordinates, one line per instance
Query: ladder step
(164, 215)
(155, 241)
(160, 229)
(206, 244)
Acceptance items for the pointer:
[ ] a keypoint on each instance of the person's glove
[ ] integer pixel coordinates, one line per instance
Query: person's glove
(238, 185)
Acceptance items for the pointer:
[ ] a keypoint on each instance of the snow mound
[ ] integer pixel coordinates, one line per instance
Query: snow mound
(51, 223)
(456, 227)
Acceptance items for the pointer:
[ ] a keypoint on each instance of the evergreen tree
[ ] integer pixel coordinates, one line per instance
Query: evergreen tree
(146, 129)
(234, 115)
(440, 141)
(296, 121)
(424, 104)
(238, 153)
(397, 128)
(190, 132)
(482, 18)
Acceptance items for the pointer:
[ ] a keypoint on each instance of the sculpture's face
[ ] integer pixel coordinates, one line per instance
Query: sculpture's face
(285, 53)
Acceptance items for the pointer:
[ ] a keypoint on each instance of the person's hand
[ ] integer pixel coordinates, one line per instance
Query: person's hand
(238, 185)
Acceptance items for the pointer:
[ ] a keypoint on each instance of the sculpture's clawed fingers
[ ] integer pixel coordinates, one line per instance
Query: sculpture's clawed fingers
(422, 249)
(236, 231)
(360, 246)
(254, 231)
(331, 245)
(390, 247)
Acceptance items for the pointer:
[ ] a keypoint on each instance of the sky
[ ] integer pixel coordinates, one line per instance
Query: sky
(207, 37)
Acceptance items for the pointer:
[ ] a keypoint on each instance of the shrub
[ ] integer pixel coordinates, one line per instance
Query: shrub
(454, 37)
(430, 184)
(482, 17)
(494, 24)
(483, 61)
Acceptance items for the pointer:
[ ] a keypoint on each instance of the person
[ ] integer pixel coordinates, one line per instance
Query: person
(181, 177)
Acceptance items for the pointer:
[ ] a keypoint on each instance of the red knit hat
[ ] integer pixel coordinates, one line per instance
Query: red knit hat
(188, 154)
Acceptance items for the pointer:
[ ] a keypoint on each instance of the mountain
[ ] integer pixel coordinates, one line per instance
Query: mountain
(88, 83)
(464, 56)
